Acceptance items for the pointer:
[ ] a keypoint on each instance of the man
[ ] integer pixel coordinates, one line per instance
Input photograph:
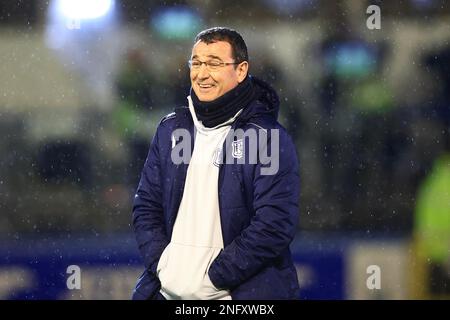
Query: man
(218, 225)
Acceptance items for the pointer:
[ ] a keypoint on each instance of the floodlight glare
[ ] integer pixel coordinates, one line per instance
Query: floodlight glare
(84, 9)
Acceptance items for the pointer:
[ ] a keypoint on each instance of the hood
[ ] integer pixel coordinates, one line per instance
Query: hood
(266, 101)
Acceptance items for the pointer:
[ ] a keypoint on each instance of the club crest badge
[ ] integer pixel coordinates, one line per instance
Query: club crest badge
(238, 149)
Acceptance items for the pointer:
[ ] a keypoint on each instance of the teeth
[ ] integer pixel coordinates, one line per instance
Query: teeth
(205, 86)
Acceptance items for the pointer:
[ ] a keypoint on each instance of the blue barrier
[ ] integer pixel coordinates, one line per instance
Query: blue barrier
(110, 265)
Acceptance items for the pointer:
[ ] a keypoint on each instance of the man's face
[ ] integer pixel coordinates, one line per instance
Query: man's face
(210, 85)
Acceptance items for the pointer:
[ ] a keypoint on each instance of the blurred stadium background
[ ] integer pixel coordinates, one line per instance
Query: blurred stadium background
(83, 85)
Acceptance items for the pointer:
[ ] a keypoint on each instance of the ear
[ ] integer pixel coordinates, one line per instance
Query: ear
(242, 70)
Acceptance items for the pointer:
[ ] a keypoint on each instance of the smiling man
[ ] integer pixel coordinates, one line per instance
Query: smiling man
(207, 85)
(211, 228)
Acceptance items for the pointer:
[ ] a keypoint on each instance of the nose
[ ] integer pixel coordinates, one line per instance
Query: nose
(203, 72)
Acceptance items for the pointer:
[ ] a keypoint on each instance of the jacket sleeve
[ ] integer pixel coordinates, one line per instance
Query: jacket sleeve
(148, 217)
(272, 228)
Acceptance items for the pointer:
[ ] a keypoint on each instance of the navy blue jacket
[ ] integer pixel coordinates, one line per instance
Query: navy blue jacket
(258, 213)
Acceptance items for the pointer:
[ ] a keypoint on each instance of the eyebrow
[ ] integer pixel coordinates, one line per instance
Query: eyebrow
(209, 56)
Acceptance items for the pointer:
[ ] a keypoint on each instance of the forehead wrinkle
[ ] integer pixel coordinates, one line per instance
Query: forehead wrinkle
(215, 50)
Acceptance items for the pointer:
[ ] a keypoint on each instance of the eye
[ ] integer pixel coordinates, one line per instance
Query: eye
(196, 64)
(214, 64)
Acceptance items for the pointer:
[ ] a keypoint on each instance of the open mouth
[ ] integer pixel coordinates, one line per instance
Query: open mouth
(205, 87)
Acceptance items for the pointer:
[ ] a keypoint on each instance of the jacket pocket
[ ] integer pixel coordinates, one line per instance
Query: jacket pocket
(269, 284)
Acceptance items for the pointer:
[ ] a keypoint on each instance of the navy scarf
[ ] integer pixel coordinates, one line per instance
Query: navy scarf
(213, 113)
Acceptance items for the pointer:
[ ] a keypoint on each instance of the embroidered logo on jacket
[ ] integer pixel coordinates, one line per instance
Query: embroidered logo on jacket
(238, 149)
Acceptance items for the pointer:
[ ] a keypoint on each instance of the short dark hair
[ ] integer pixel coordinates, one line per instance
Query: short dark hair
(238, 46)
